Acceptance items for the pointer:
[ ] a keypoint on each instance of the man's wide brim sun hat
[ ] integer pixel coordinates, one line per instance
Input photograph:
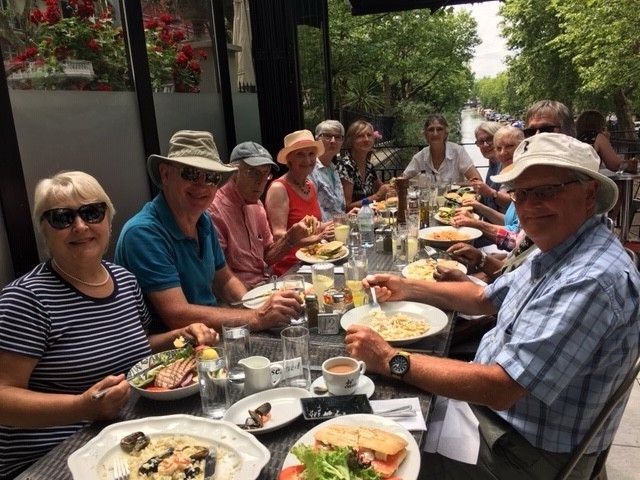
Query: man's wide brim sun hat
(298, 140)
(562, 151)
(193, 148)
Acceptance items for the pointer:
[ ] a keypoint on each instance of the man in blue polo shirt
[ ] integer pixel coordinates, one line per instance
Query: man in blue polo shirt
(172, 248)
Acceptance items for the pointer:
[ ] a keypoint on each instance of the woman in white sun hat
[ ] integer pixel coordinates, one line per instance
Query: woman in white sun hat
(293, 196)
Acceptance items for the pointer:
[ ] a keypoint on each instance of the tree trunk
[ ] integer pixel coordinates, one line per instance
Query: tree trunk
(386, 86)
(623, 112)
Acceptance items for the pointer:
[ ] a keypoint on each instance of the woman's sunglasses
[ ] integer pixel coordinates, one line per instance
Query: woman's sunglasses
(61, 218)
(192, 174)
(531, 131)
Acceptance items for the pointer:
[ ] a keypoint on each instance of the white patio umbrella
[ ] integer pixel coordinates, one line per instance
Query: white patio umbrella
(242, 38)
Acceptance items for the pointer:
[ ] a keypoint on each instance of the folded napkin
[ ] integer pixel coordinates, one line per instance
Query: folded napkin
(307, 269)
(410, 423)
(453, 431)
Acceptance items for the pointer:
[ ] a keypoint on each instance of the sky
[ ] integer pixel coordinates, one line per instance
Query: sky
(490, 54)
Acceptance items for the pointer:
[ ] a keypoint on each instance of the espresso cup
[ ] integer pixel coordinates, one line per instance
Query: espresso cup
(342, 374)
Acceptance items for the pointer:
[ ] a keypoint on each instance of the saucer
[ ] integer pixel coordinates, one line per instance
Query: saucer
(365, 386)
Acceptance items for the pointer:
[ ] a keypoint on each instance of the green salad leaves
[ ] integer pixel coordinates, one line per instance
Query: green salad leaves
(332, 464)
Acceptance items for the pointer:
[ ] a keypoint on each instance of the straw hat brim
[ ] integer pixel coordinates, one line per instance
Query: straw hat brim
(317, 144)
(154, 161)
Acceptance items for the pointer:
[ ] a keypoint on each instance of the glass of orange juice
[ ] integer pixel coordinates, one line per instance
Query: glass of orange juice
(354, 272)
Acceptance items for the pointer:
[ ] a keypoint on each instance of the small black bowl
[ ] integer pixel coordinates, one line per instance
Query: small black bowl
(323, 408)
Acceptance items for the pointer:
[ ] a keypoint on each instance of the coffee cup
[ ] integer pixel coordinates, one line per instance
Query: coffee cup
(342, 374)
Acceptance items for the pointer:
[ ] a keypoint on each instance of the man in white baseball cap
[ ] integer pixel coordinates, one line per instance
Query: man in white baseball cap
(241, 220)
(568, 324)
(172, 248)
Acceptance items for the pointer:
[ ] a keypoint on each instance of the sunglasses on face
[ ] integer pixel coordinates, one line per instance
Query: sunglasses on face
(61, 218)
(531, 131)
(538, 194)
(331, 136)
(484, 142)
(192, 174)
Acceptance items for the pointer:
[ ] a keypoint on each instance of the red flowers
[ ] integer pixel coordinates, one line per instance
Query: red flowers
(93, 45)
(52, 14)
(194, 66)
(36, 16)
(182, 59)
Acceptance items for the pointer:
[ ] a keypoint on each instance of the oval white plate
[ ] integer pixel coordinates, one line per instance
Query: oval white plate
(93, 460)
(311, 259)
(365, 387)
(406, 274)
(437, 319)
(175, 394)
(471, 233)
(267, 287)
(409, 468)
(285, 407)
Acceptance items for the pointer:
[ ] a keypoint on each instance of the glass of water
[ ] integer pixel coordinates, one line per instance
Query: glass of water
(212, 378)
(295, 283)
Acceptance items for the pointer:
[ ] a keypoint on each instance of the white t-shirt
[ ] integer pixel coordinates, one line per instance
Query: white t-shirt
(456, 162)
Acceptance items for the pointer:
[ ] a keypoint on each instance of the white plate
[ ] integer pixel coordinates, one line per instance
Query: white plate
(365, 387)
(444, 221)
(406, 274)
(311, 259)
(409, 469)
(437, 318)
(471, 233)
(267, 287)
(93, 460)
(175, 394)
(285, 407)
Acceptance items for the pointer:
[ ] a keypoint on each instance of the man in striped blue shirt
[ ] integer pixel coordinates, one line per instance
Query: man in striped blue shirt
(567, 332)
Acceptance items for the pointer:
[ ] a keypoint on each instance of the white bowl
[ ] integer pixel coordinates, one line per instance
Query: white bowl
(174, 394)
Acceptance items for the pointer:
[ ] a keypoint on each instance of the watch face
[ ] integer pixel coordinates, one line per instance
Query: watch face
(399, 365)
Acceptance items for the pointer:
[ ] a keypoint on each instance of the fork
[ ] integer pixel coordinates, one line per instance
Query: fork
(120, 469)
(374, 301)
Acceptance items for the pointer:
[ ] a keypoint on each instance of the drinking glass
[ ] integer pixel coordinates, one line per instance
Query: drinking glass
(214, 390)
(400, 247)
(237, 345)
(354, 271)
(341, 225)
(391, 203)
(295, 283)
(322, 277)
(295, 354)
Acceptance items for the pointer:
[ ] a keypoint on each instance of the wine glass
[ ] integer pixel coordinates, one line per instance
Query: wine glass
(391, 203)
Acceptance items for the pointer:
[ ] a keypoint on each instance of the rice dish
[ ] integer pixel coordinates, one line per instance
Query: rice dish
(424, 269)
(228, 462)
(397, 326)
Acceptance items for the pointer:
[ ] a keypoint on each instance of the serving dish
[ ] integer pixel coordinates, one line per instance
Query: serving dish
(469, 234)
(94, 460)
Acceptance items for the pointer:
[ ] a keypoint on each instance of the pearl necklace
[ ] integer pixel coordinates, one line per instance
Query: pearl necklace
(88, 284)
(304, 188)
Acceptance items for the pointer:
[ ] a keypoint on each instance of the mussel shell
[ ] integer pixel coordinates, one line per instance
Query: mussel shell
(134, 442)
(255, 416)
(200, 454)
(263, 409)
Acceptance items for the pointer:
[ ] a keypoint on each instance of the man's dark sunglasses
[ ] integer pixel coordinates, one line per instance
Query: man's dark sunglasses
(192, 174)
(61, 218)
(531, 131)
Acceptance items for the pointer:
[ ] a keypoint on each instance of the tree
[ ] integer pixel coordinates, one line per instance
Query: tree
(412, 56)
(600, 38)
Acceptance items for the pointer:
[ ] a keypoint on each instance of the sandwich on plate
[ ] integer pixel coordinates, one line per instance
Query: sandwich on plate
(330, 249)
(312, 224)
(348, 452)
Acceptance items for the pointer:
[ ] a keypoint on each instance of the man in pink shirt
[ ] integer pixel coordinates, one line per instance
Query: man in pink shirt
(241, 220)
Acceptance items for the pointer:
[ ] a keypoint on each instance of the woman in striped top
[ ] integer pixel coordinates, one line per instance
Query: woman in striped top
(70, 327)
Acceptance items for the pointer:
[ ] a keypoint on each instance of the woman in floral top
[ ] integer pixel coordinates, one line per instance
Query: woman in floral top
(359, 180)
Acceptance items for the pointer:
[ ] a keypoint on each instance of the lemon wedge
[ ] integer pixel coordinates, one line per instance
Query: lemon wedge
(209, 354)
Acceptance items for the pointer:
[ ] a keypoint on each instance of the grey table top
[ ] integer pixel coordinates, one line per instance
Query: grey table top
(54, 464)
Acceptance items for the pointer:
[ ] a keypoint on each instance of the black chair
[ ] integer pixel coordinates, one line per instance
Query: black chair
(617, 396)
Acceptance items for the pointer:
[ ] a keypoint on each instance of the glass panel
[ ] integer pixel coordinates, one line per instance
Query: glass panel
(69, 45)
(186, 91)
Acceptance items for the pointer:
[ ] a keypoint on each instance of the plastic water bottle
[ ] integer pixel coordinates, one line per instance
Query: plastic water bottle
(365, 224)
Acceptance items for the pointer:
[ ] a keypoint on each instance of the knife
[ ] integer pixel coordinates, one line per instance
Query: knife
(251, 299)
(210, 465)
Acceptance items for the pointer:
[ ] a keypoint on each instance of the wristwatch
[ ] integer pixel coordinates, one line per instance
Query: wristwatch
(399, 364)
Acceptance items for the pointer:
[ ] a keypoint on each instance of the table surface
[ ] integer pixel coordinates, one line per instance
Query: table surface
(54, 464)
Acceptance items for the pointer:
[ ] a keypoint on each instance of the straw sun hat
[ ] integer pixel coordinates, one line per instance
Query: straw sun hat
(297, 141)
(193, 148)
(559, 150)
